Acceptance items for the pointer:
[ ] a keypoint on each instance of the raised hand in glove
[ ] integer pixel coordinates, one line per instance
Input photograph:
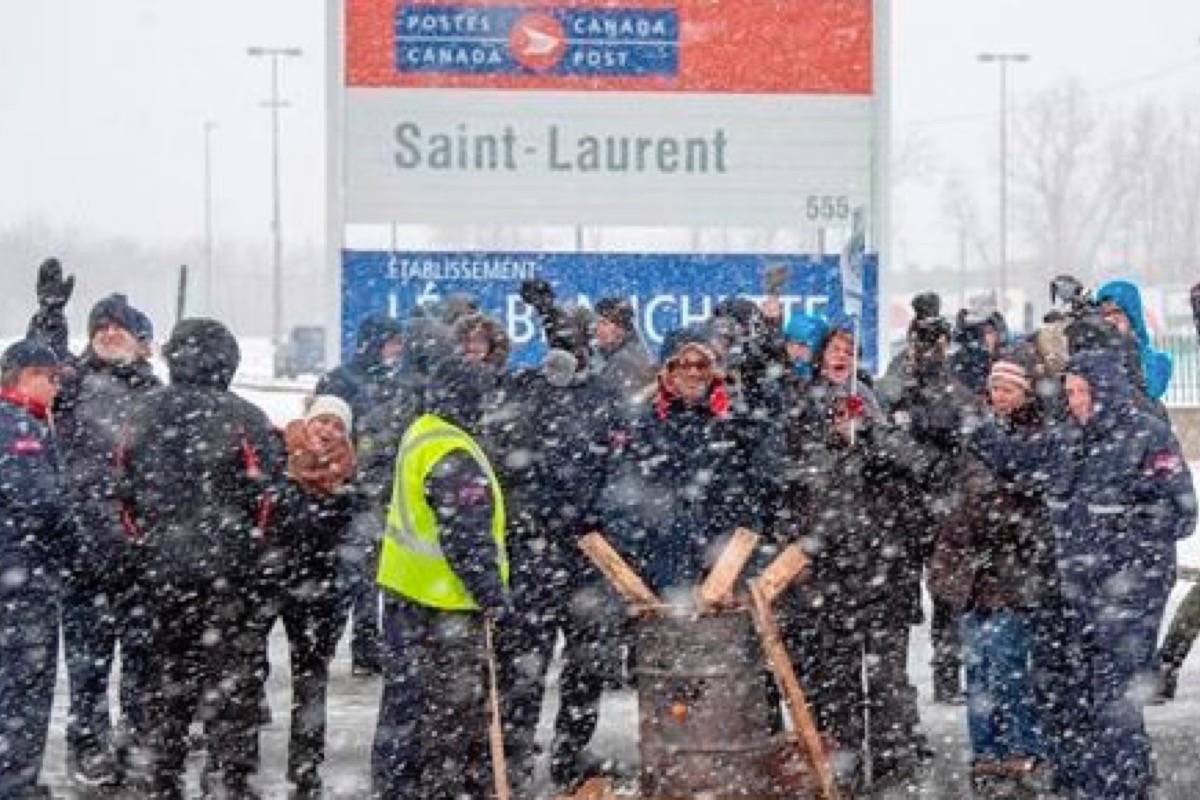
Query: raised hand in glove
(538, 293)
(53, 291)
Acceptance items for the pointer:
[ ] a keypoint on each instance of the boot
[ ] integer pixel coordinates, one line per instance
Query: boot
(92, 769)
(1168, 681)
(947, 687)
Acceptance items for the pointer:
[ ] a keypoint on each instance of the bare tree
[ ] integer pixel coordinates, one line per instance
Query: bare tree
(1072, 178)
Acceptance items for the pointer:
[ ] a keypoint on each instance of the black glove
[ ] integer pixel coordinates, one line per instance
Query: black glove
(537, 293)
(52, 291)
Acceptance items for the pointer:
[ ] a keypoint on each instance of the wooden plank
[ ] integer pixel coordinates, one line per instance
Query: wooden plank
(809, 739)
(718, 586)
(781, 572)
(495, 731)
(619, 574)
(594, 789)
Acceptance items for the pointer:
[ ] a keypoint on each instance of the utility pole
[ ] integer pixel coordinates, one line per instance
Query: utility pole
(1003, 59)
(275, 53)
(208, 218)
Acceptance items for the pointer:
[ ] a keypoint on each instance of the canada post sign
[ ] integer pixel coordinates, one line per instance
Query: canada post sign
(668, 290)
(719, 113)
(522, 40)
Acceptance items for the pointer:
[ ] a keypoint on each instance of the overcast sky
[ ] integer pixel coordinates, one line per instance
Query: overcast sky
(104, 102)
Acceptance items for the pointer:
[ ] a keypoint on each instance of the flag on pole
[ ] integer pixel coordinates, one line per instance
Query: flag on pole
(852, 267)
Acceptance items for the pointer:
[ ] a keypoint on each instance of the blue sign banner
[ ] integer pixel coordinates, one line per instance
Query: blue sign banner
(668, 290)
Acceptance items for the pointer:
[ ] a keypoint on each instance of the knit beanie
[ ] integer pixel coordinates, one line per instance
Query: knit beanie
(327, 404)
(1010, 371)
(116, 309)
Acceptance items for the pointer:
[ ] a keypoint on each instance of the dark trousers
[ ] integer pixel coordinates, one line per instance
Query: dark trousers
(28, 661)
(313, 615)
(1185, 626)
(589, 619)
(431, 734)
(206, 639)
(1054, 660)
(945, 633)
(359, 565)
(1113, 622)
(94, 619)
(856, 681)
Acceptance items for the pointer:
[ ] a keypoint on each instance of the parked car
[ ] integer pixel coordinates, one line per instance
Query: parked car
(302, 354)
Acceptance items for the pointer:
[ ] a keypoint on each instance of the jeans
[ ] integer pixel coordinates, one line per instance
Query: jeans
(28, 661)
(1001, 709)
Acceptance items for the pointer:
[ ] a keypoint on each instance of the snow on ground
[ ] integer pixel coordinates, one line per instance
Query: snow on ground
(353, 702)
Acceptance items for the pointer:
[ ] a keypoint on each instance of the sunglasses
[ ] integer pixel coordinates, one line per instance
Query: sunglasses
(693, 364)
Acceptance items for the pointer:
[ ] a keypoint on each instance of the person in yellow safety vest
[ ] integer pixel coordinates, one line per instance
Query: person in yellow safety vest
(442, 568)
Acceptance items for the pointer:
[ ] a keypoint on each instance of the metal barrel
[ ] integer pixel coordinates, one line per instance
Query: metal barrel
(704, 714)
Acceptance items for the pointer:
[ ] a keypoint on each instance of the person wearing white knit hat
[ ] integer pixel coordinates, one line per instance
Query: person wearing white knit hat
(330, 405)
(314, 511)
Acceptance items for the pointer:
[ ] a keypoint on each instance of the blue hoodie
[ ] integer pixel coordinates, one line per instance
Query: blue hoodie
(1156, 365)
(807, 329)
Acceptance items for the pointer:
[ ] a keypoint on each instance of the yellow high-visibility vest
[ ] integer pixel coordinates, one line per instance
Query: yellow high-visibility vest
(411, 563)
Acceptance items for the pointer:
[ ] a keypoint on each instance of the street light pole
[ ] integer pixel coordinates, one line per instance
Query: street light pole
(208, 231)
(1003, 59)
(275, 53)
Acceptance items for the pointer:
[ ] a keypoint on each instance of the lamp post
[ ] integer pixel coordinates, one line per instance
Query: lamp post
(1003, 59)
(275, 53)
(209, 125)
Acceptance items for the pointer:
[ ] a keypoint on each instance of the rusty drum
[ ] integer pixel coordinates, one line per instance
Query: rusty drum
(704, 712)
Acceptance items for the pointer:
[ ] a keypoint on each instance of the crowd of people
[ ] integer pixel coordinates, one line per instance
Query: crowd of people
(431, 499)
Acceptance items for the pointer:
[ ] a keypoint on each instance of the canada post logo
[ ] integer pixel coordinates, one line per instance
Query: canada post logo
(483, 40)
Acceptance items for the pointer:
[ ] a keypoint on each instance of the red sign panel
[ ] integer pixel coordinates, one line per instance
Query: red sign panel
(722, 46)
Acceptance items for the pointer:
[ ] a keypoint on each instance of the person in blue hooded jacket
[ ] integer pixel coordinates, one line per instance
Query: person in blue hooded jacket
(802, 337)
(1121, 304)
(1120, 495)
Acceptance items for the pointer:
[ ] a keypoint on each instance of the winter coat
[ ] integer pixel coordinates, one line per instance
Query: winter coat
(995, 548)
(201, 467)
(684, 480)
(850, 508)
(549, 445)
(1119, 490)
(308, 530)
(935, 412)
(91, 411)
(91, 414)
(628, 369)
(35, 515)
(365, 382)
